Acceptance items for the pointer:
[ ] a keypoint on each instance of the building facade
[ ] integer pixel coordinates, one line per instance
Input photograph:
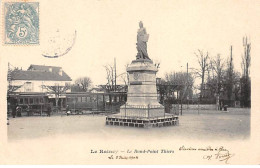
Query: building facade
(37, 77)
(37, 87)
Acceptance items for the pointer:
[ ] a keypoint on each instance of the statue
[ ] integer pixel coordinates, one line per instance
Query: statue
(142, 38)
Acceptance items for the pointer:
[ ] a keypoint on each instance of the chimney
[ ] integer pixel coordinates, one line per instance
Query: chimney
(60, 72)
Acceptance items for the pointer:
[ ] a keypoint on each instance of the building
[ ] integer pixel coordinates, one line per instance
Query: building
(37, 76)
(38, 84)
(39, 88)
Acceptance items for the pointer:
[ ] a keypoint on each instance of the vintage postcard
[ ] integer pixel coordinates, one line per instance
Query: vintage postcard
(129, 82)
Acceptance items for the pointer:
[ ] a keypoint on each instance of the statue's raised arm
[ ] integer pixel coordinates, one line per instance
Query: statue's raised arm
(142, 39)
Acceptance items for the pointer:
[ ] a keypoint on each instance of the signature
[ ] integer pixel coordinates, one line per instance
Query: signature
(222, 155)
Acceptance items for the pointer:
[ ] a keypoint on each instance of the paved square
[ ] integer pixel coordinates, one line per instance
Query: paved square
(208, 125)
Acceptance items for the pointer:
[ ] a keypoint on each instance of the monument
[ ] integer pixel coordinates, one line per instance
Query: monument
(142, 108)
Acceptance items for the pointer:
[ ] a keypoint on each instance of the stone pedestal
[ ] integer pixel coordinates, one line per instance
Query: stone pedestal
(142, 108)
(142, 97)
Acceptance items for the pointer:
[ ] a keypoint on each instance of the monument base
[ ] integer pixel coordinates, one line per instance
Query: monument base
(128, 121)
(142, 111)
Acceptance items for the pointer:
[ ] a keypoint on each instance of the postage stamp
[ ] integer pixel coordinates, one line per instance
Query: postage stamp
(21, 23)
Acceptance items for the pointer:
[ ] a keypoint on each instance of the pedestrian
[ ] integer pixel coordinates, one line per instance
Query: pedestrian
(68, 110)
(19, 111)
(48, 111)
(28, 110)
(13, 111)
(221, 105)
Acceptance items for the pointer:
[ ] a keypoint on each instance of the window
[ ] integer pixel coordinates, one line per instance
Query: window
(25, 100)
(70, 99)
(28, 87)
(31, 100)
(41, 100)
(21, 101)
(83, 99)
(106, 98)
(36, 100)
(79, 99)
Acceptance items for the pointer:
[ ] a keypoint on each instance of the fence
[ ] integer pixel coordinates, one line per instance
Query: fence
(144, 111)
(199, 106)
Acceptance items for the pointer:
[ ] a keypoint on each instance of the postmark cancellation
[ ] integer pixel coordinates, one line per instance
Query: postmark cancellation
(21, 23)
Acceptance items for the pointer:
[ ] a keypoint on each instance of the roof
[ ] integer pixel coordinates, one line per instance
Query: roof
(40, 72)
(43, 68)
(97, 89)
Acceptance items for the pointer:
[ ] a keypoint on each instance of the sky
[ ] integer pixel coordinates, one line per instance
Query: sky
(107, 29)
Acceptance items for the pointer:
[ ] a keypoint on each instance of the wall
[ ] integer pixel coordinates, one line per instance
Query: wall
(36, 85)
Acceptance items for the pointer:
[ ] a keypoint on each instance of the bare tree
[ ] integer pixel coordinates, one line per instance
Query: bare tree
(216, 71)
(245, 80)
(124, 78)
(246, 58)
(83, 83)
(203, 60)
(110, 78)
(230, 77)
(180, 83)
(57, 90)
(217, 66)
(11, 88)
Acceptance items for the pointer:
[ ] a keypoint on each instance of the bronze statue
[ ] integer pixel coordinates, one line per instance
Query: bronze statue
(142, 38)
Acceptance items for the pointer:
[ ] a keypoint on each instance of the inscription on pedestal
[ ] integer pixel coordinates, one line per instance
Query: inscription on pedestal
(135, 83)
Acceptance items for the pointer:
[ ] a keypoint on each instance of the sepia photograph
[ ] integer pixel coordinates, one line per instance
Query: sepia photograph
(129, 82)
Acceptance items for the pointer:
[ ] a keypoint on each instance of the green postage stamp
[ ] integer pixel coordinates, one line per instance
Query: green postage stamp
(21, 21)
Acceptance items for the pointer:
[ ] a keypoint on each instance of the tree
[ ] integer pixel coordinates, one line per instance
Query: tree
(83, 84)
(230, 76)
(180, 82)
(11, 88)
(215, 78)
(231, 82)
(217, 67)
(125, 76)
(236, 85)
(110, 85)
(75, 88)
(57, 90)
(245, 80)
(203, 60)
(112, 77)
(246, 58)
(245, 92)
